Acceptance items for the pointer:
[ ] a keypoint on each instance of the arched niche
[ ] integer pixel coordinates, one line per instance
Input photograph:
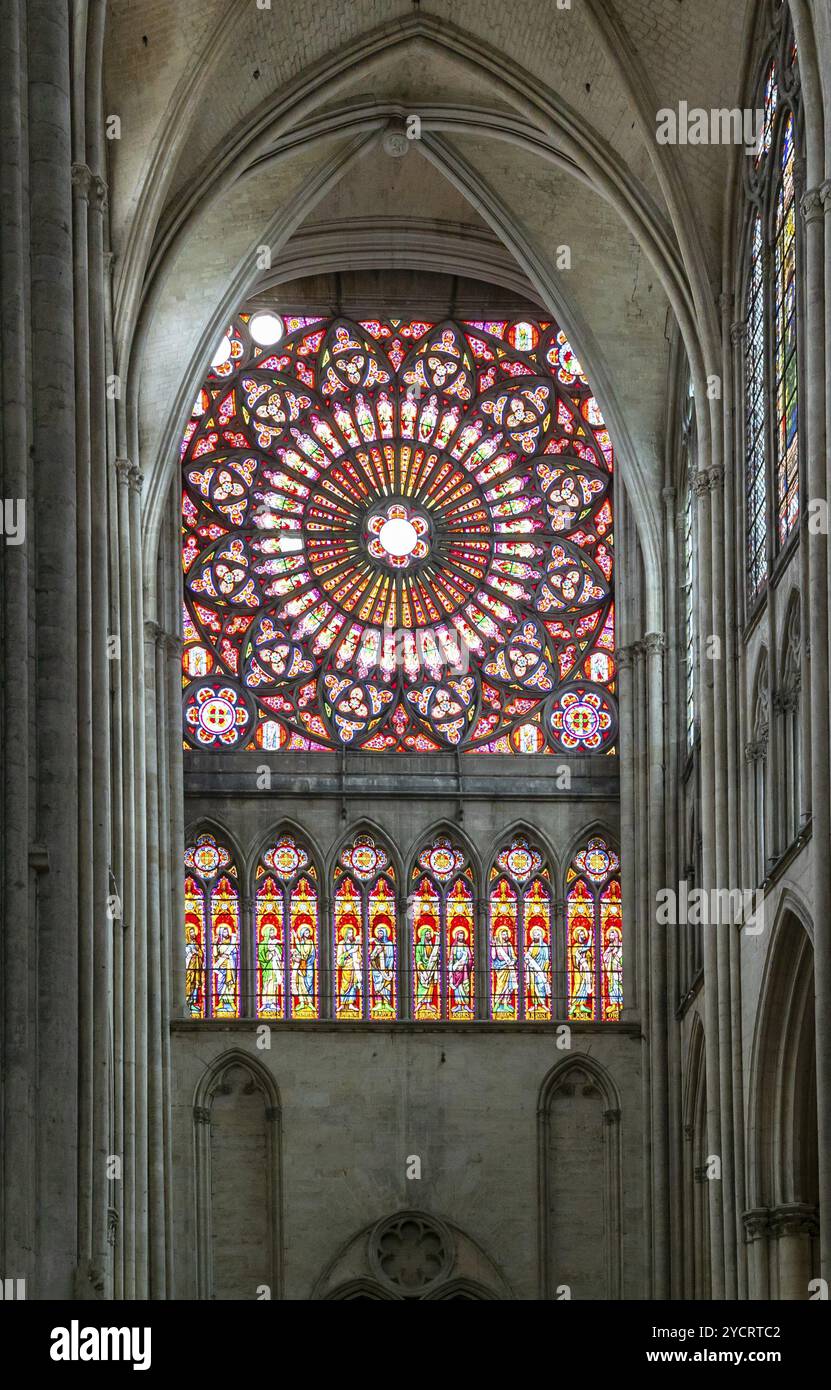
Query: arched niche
(782, 1219)
(580, 1182)
(236, 1118)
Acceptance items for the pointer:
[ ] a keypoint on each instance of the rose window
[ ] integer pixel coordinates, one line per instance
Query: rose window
(398, 536)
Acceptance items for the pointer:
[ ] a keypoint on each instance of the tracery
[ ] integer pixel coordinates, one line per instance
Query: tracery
(398, 536)
(771, 295)
(594, 945)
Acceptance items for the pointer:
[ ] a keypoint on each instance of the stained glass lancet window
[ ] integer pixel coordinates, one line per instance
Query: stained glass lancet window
(786, 426)
(689, 463)
(364, 933)
(443, 935)
(398, 535)
(594, 934)
(771, 292)
(519, 931)
(212, 930)
(755, 420)
(287, 932)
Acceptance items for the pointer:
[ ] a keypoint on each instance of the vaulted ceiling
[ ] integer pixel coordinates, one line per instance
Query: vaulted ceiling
(244, 127)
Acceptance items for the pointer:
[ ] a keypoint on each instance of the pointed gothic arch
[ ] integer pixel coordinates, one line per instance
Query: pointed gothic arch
(238, 1180)
(770, 279)
(580, 1181)
(365, 932)
(214, 926)
(444, 950)
(585, 154)
(782, 1219)
(288, 895)
(594, 937)
(521, 930)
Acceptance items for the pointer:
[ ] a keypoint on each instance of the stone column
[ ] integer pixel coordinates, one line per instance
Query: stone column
(116, 685)
(104, 655)
(654, 644)
(675, 745)
(202, 1151)
(81, 181)
(136, 696)
(709, 948)
(127, 1227)
(644, 916)
(720, 877)
(734, 340)
(172, 910)
(816, 210)
(757, 1236)
(19, 949)
(624, 657)
(794, 1226)
(95, 940)
(154, 639)
(56, 706)
(175, 956)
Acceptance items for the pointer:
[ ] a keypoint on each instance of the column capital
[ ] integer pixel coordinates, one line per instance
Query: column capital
(201, 1115)
(756, 1223)
(122, 468)
(173, 644)
(654, 643)
(82, 179)
(625, 658)
(136, 478)
(786, 699)
(756, 749)
(738, 332)
(815, 202)
(98, 193)
(701, 483)
(715, 477)
(152, 631)
(669, 494)
(794, 1219)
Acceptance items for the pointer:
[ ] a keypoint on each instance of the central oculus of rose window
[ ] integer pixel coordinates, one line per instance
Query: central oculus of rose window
(398, 535)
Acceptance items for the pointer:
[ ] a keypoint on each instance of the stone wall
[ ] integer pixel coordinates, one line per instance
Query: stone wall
(358, 1102)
